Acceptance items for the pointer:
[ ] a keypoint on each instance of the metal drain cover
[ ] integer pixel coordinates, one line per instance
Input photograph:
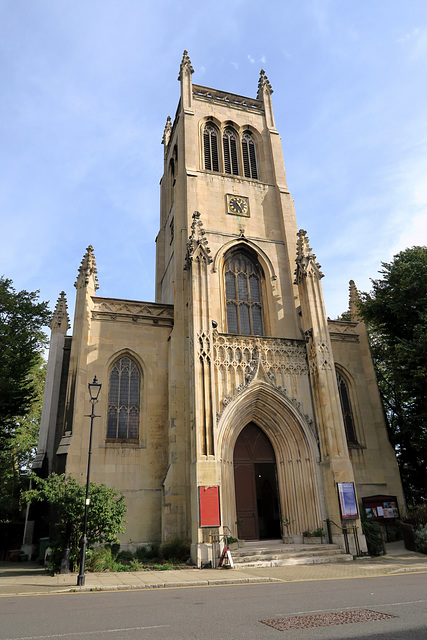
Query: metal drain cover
(326, 619)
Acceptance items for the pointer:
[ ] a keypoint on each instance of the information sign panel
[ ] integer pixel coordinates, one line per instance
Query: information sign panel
(347, 498)
(209, 507)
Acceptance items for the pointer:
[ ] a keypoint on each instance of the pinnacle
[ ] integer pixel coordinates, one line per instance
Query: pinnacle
(353, 300)
(87, 269)
(264, 84)
(185, 66)
(60, 322)
(167, 131)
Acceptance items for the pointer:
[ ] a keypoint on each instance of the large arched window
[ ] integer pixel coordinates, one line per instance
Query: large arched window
(210, 147)
(243, 295)
(124, 400)
(347, 411)
(229, 142)
(249, 156)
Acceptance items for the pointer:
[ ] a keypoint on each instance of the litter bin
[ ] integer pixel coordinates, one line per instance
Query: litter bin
(44, 543)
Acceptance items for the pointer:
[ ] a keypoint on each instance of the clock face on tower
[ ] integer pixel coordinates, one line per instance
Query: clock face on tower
(239, 205)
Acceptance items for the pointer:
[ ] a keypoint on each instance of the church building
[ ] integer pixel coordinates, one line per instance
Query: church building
(231, 403)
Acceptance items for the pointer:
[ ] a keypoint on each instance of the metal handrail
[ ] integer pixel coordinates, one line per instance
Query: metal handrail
(345, 531)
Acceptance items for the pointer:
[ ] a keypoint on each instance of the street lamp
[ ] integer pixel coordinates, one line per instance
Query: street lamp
(94, 389)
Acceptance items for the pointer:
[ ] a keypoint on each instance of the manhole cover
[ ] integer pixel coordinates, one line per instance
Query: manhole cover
(326, 619)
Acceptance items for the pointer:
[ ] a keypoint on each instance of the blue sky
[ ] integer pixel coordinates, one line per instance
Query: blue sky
(87, 86)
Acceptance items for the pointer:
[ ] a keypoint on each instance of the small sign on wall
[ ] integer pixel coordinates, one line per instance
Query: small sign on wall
(209, 511)
(347, 498)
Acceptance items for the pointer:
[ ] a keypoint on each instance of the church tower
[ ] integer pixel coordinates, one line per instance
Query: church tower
(253, 400)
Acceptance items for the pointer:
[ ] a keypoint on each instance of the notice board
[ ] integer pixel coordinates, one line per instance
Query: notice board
(209, 507)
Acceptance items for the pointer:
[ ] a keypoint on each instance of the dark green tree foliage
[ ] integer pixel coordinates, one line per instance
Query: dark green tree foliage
(16, 458)
(395, 312)
(66, 497)
(22, 318)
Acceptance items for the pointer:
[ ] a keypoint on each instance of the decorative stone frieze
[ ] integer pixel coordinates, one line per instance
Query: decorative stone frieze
(132, 311)
(238, 359)
(227, 98)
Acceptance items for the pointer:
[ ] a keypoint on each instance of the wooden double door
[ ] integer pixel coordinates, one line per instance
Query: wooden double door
(255, 478)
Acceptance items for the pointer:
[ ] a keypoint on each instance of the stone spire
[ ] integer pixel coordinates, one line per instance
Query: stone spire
(87, 270)
(167, 132)
(197, 239)
(60, 322)
(185, 66)
(264, 84)
(306, 259)
(353, 300)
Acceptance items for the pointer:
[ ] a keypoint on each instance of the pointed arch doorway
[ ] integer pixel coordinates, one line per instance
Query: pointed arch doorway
(255, 480)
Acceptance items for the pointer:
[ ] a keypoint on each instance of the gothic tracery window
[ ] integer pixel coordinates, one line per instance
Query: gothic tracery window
(249, 156)
(229, 142)
(243, 295)
(124, 400)
(347, 411)
(210, 147)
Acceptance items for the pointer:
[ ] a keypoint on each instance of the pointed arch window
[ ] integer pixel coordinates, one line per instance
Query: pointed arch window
(346, 408)
(243, 295)
(210, 147)
(249, 156)
(124, 400)
(229, 143)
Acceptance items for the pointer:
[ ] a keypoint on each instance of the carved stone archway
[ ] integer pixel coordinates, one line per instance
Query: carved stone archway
(295, 448)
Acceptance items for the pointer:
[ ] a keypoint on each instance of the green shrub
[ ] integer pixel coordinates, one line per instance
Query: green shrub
(124, 557)
(417, 516)
(141, 554)
(177, 549)
(421, 538)
(101, 560)
(372, 533)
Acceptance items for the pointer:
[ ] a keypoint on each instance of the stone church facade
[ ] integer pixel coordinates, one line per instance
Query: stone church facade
(234, 379)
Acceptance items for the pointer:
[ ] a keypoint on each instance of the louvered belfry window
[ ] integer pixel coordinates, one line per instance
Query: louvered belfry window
(229, 141)
(243, 295)
(347, 412)
(249, 156)
(210, 147)
(123, 400)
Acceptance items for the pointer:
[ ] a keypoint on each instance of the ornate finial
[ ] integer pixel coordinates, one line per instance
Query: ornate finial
(306, 260)
(197, 239)
(353, 300)
(167, 131)
(87, 269)
(185, 66)
(264, 84)
(60, 322)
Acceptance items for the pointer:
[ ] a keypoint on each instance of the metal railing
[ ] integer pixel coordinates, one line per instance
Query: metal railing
(346, 531)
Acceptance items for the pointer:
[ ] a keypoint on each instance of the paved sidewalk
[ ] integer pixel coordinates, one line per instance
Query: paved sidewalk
(29, 578)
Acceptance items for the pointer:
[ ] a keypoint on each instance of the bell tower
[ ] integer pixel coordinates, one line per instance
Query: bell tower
(226, 259)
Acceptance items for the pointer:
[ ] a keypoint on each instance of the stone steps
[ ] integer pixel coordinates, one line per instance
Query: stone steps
(277, 554)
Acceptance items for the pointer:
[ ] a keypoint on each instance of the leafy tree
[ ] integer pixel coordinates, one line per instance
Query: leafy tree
(395, 312)
(22, 318)
(67, 498)
(17, 456)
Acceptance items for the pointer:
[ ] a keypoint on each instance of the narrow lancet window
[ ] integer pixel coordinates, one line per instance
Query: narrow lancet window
(249, 156)
(229, 142)
(124, 401)
(347, 411)
(210, 148)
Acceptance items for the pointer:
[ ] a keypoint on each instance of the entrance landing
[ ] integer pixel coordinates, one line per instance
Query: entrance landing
(274, 553)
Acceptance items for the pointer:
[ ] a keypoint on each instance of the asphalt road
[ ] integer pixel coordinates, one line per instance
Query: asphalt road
(221, 613)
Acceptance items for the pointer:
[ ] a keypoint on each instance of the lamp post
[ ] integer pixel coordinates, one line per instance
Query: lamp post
(94, 389)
